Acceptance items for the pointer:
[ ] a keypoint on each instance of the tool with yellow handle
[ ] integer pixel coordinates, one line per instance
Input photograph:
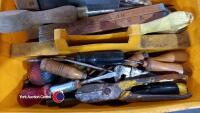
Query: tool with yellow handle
(93, 93)
(156, 92)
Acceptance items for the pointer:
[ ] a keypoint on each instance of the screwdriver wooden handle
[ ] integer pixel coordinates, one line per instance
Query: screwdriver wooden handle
(60, 69)
(174, 56)
(13, 21)
(152, 65)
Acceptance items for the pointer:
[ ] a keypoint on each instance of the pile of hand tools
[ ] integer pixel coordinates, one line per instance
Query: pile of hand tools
(104, 76)
(100, 51)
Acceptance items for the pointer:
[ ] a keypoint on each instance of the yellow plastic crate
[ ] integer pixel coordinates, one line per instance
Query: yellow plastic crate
(13, 72)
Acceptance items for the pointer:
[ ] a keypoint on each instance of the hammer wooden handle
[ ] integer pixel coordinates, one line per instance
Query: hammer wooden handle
(60, 69)
(13, 21)
(152, 65)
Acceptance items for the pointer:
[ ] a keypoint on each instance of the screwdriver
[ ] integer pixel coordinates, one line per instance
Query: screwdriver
(101, 57)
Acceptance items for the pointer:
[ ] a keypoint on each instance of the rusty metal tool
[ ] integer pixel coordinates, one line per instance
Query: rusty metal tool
(118, 72)
(93, 93)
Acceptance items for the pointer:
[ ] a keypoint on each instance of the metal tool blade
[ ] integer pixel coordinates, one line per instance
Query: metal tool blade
(106, 76)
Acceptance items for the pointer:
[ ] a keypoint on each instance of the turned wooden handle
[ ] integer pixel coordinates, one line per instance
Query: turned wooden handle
(61, 69)
(174, 56)
(152, 65)
(13, 21)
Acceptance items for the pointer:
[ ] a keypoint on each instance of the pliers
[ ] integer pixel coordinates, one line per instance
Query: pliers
(93, 93)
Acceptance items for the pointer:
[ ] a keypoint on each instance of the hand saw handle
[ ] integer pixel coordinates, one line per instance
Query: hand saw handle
(13, 21)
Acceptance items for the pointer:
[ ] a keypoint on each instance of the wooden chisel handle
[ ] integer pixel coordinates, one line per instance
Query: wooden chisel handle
(61, 69)
(13, 21)
(174, 56)
(152, 65)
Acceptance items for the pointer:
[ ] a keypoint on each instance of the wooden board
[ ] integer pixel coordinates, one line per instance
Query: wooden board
(137, 42)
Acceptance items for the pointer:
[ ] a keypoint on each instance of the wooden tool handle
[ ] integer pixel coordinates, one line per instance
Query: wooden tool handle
(152, 65)
(13, 21)
(174, 56)
(139, 56)
(61, 69)
(171, 23)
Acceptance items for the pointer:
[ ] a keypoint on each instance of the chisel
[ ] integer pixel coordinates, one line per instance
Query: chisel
(17, 20)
